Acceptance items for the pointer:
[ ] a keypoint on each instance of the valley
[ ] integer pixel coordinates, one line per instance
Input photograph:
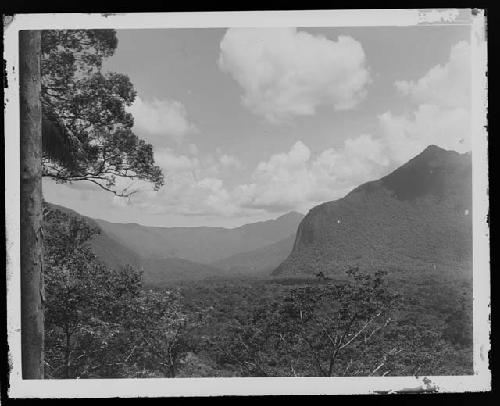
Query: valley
(386, 270)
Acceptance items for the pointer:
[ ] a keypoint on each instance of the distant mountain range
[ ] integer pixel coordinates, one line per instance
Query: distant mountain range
(417, 217)
(204, 245)
(168, 254)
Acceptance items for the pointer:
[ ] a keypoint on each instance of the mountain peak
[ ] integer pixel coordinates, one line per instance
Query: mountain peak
(433, 152)
(412, 218)
(432, 171)
(433, 149)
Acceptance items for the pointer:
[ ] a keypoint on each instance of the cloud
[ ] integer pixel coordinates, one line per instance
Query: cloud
(230, 162)
(161, 119)
(295, 179)
(409, 134)
(445, 85)
(285, 72)
(170, 161)
(440, 112)
(298, 180)
(194, 185)
(187, 194)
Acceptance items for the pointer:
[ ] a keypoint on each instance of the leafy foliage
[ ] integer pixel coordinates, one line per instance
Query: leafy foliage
(334, 319)
(101, 322)
(310, 329)
(304, 327)
(158, 327)
(97, 317)
(383, 225)
(86, 130)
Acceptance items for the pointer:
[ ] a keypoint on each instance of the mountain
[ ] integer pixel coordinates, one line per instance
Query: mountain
(107, 249)
(417, 217)
(204, 245)
(156, 271)
(262, 247)
(257, 262)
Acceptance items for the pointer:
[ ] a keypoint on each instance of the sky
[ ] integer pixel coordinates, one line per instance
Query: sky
(249, 124)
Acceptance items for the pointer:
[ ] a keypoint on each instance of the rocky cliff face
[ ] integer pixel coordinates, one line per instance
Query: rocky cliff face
(419, 216)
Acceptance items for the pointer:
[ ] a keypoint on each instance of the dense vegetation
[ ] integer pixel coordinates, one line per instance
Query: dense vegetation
(256, 329)
(418, 216)
(102, 322)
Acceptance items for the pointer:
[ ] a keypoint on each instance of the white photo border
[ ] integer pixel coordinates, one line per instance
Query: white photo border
(164, 387)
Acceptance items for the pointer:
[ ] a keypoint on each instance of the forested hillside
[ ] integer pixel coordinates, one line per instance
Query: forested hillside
(112, 313)
(417, 217)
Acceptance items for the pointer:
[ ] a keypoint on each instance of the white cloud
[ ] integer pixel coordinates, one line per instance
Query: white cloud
(298, 180)
(445, 85)
(285, 72)
(170, 161)
(193, 185)
(230, 161)
(292, 180)
(188, 194)
(161, 119)
(408, 135)
(441, 112)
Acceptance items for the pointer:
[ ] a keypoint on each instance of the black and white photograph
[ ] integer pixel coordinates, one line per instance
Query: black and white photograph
(251, 198)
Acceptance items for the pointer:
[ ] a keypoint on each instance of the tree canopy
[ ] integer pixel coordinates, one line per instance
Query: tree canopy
(100, 322)
(86, 130)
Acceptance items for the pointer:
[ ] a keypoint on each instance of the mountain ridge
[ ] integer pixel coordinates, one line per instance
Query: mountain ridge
(290, 214)
(204, 245)
(417, 216)
(158, 270)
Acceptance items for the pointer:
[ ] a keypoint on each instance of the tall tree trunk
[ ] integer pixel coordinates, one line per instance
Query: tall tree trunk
(32, 290)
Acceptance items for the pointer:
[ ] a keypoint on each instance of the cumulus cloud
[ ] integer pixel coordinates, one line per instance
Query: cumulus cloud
(187, 194)
(193, 185)
(297, 180)
(293, 180)
(445, 85)
(407, 135)
(441, 109)
(161, 119)
(285, 72)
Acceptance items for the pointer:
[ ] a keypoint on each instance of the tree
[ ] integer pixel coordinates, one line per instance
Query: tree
(73, 121)
(334, 324)
(87, 132)
(86, 301)
(74, 127)
(326, 328)
(99, 320)
(246, 344)
(159, 329)
(32, 293)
